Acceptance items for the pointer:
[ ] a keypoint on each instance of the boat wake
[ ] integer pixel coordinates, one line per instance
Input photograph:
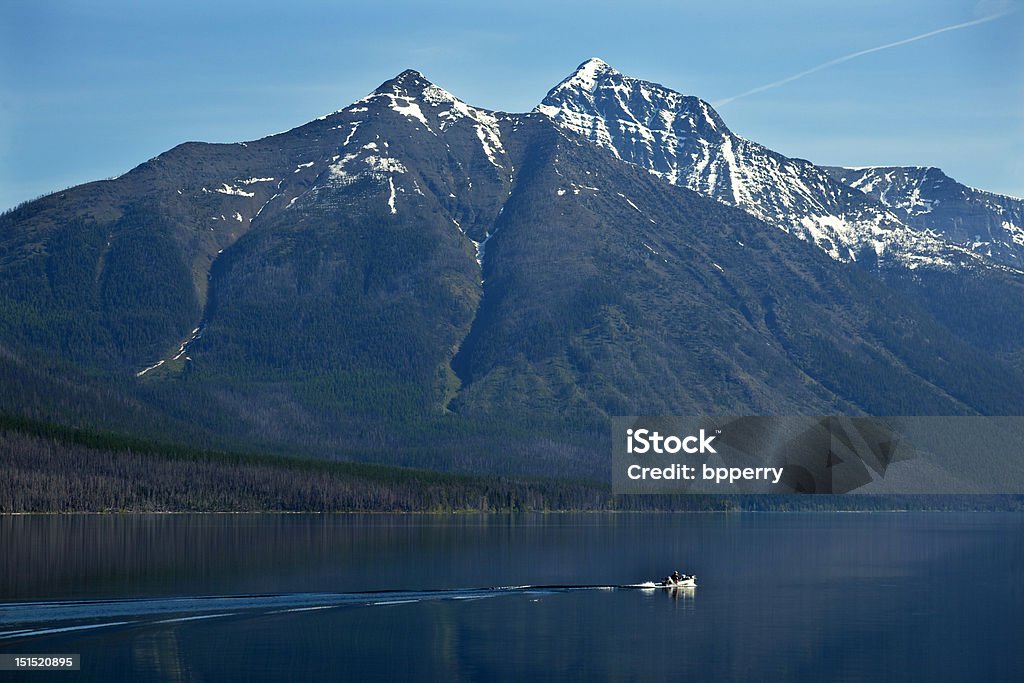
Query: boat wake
(31, 619)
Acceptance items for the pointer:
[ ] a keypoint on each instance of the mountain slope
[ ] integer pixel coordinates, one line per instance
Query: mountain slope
(927, 199)
(612, 293)
(367, 279)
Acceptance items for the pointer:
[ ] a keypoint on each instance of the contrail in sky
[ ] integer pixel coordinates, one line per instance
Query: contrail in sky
(861, 53)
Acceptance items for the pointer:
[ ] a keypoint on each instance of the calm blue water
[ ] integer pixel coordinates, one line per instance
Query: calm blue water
(848, 597)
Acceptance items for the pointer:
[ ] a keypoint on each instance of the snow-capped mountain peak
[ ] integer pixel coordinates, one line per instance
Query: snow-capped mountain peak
(408, 83)
(411, 94)
(637, 120)
(588, 75)
(683, 139)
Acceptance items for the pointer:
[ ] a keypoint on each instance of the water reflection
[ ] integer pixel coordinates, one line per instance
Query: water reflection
(159, 652)
(683, 596)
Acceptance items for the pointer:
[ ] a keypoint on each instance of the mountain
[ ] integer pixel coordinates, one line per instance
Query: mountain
(683, 140)
(930, 201)
(413, 280)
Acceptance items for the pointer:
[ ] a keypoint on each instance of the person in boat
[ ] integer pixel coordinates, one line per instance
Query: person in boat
(675, 577)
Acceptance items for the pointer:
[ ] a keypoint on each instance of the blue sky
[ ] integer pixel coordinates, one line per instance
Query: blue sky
(89, 89)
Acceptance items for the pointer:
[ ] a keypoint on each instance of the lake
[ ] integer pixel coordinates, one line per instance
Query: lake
(808, 596)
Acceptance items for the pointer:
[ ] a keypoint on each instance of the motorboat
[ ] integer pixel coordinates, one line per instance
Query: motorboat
(683, 581)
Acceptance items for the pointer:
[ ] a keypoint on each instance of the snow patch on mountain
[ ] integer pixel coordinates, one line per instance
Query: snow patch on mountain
(384, 164)
(348, 138)
(233, 190)
(406, 106)
(1016, 232)
(370, 161)
(391, 198)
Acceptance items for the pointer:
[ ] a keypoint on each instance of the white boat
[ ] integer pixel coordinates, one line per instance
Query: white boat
(683, 582)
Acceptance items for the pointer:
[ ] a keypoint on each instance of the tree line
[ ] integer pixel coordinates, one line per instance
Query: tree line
(48, 468)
